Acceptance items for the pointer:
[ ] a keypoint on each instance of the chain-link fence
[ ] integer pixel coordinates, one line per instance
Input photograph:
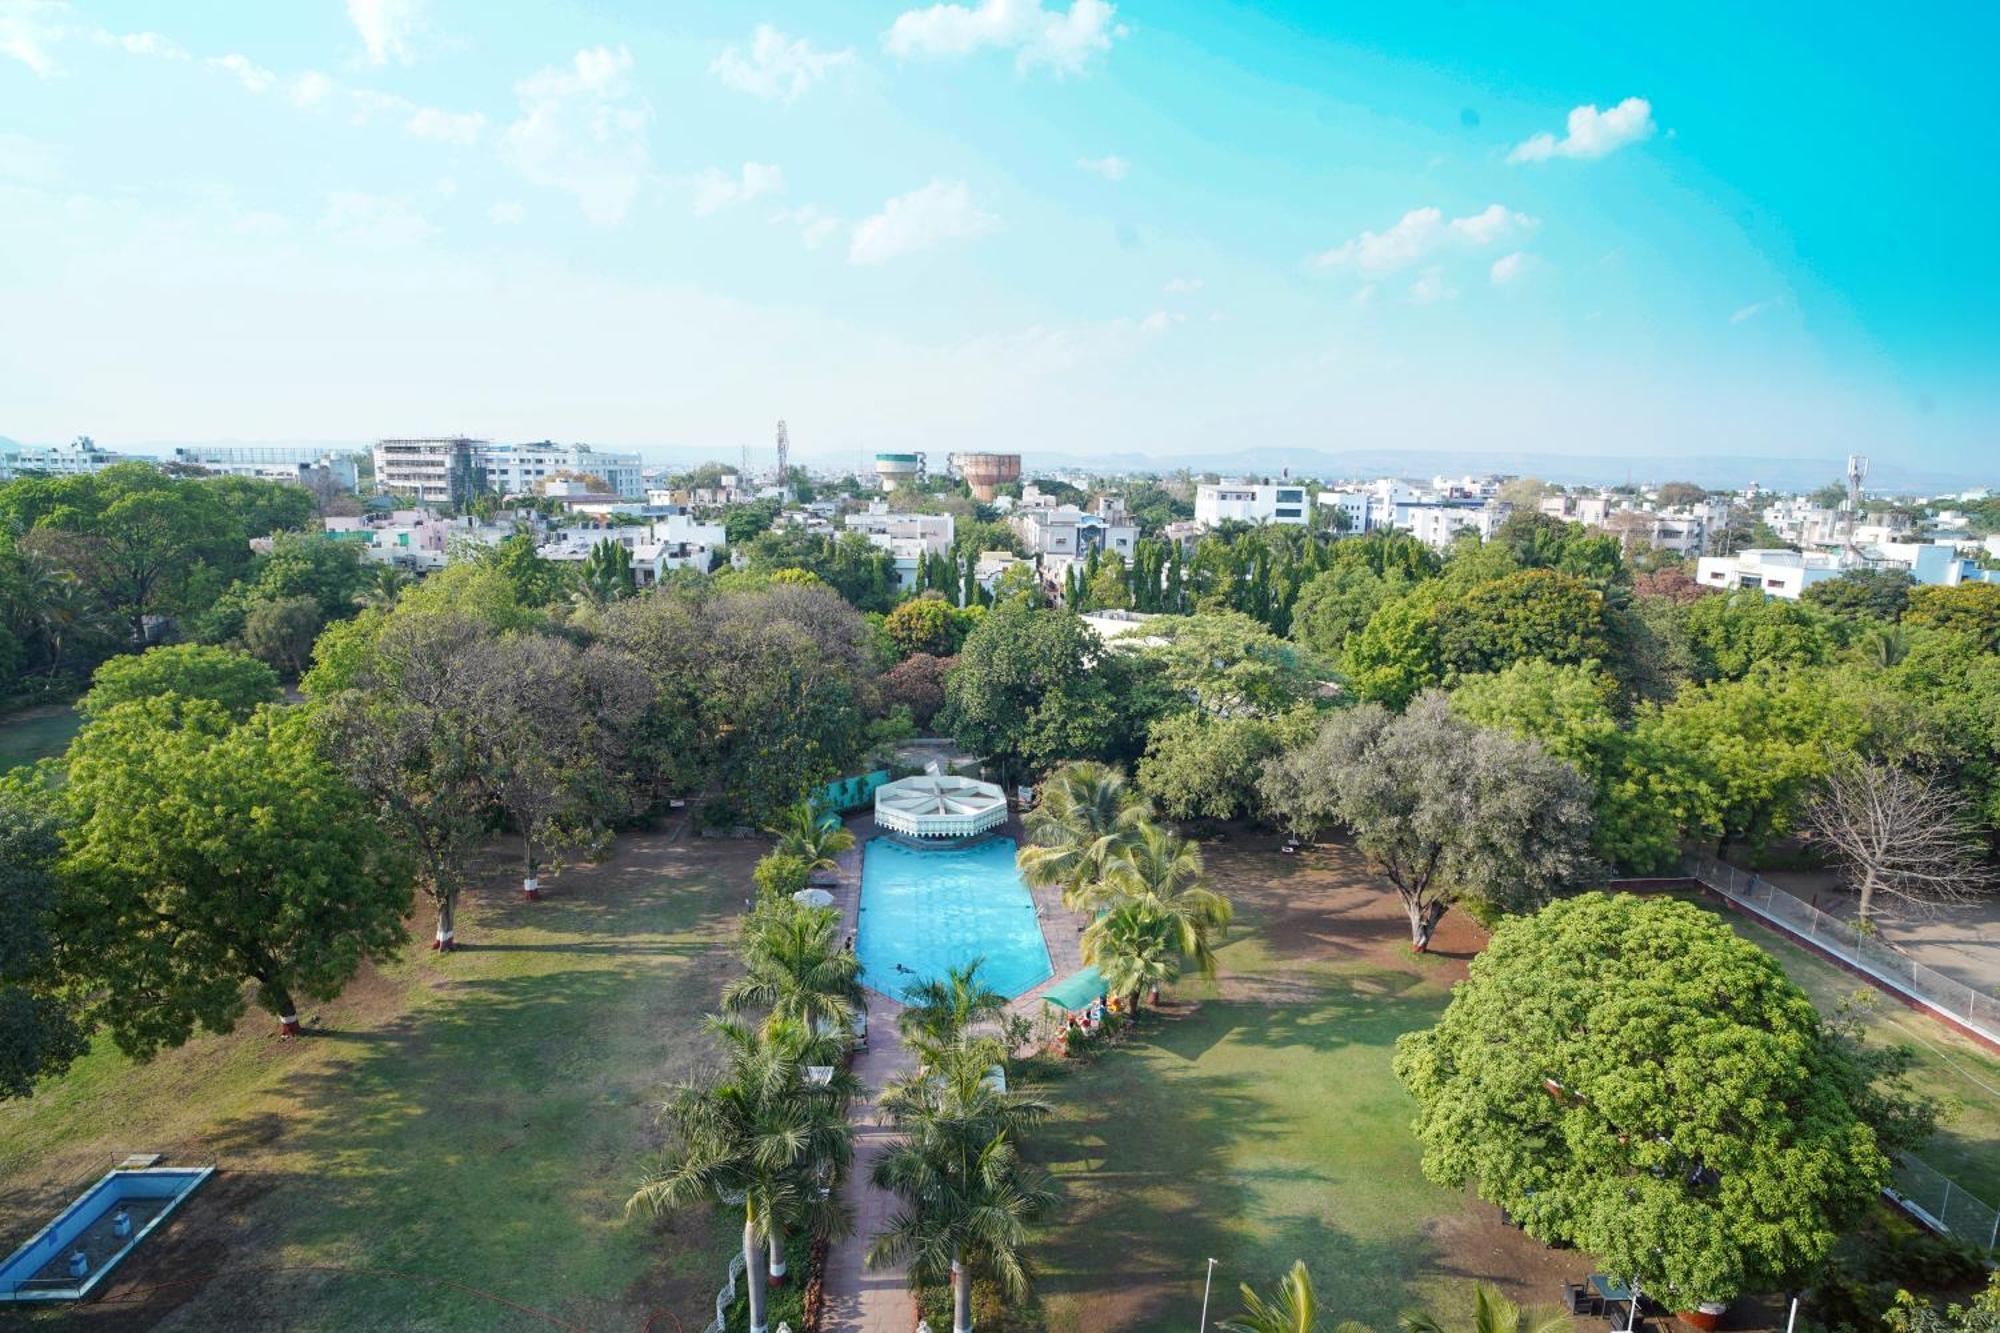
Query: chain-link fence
(1890, 966)
(1924, 1190)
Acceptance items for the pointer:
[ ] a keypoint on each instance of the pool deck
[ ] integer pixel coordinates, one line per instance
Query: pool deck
(858, 1300)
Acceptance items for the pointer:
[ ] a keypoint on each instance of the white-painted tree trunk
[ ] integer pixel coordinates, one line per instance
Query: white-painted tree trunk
(961, 1297)
(753, 1276)
(446, 911)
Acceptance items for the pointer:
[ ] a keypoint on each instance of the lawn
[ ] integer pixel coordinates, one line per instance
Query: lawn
(1950, 1066)
(1266, 1125)
(36, 733)
(478, 1118)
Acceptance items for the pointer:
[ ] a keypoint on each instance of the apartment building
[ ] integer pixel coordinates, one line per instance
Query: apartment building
(77, 458)
(451, 470)
(1249, 502)
(302, 465)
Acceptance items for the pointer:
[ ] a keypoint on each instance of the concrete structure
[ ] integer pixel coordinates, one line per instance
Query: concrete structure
(432, 470)
(521, 469)
(675, 541)
(303, 465)
(1121, 625)
(935, 531)
(986, 473)
(1787, 574)
(892, 470)
(1438, 525)
(938, 805)
(1249, 502)
(77, 458)
(1066, 531)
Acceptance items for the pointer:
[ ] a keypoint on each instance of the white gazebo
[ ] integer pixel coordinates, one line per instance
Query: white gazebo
(939, 805)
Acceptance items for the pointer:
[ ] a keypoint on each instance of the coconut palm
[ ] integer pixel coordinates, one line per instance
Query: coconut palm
(762, 1137)
(814, 836)
(968, 1197)
(1132, 947)
(1087, 814)
(796, 970)
(941, 1013)
(1163, 872)
(384, 584)
(1494, 1313)
(1293, 1309)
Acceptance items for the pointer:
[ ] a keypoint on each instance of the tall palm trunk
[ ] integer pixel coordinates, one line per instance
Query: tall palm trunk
(961, 1296)
(753, 1272)
(777, 1255)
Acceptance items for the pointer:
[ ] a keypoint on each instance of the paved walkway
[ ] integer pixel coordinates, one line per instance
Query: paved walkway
(859, 1300)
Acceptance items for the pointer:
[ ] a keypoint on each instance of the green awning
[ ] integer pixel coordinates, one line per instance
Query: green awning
(1075, 991)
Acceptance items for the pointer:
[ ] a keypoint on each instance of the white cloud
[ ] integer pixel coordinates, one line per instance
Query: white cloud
(506, 214)
(816, 225)
(252, 76)
(154, 45)
(1064, 40)
(27, 160)
(1182, 286)
(1750, 312)
(28, 28)
(427, 122)
(1430, 287)
(1509, 270)
(1160, 321)
(582, 130)
(715, 189)
(375, 221)
(1592, 133)
(778, 68)
(1421, 233)
(385, 27)
(940, 211)
(1111, 166)
(310, 89)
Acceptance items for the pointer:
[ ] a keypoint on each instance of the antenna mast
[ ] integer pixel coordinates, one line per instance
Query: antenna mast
(784, 466)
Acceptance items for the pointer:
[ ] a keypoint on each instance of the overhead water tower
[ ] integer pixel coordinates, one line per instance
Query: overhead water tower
(987, 473)
(892, 470)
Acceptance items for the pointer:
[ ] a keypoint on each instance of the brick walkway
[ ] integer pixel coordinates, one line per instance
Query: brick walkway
(859, 1300)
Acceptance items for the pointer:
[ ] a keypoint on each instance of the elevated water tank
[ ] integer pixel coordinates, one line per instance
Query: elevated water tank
(987, 473)
(892, 470)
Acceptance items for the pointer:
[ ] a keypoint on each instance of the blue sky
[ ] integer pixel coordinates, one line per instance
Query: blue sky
(1162, 227)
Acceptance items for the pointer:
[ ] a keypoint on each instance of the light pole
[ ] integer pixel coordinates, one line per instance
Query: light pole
(1206, 1283)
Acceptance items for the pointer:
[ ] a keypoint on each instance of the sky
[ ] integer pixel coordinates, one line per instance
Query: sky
(1154, 227)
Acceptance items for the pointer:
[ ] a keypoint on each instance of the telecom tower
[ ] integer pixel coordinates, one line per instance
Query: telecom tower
(784, 466)
(1857, 472)
(743, 472)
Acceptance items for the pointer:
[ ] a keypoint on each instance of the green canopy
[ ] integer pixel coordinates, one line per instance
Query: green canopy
(1075, 991)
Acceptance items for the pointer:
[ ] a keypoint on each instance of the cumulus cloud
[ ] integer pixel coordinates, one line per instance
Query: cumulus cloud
(715, 190)
(427, 122)
(583, 131)
(1430, 287)
(1111, 166)
(1422, 233)
(1063, 40)
(152, 44)
(374, 221)
(776, 67)
(1182, 286)
(1591, 133)
(1510, 270)
(252, 76)
(940, 211)
(28, 28)
(385, 27)
(816, 225)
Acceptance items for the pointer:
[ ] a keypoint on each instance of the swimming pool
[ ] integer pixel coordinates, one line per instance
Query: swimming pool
(933, 910)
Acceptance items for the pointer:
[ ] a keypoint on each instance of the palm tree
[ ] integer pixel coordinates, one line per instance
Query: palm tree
(1087, 814)
(763, 1137)
(1883, 646)
(385, 583)
(796, 970)
(813, 836)
(1132, 947)
(1163, 873)
(968, 1196)
(1494, 1313)
(1294, 1309)
(940, 1014)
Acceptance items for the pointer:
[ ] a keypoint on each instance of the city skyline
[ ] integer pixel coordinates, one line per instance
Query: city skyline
(1149, 229)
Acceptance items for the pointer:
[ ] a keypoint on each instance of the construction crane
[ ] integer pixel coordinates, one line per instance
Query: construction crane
(784, 466)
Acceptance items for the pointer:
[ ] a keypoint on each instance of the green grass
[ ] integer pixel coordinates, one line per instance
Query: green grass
(1949, 1066)
(1265, 1127)
(39, 733)
(479, 1118)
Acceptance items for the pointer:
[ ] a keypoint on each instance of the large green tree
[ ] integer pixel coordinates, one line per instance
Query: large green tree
(1630, 1077)
(1443, 808)
(1731, 635)
(1970, 609)
(201, 853)
(39, 1035)
(234, 681)
(1025, 692)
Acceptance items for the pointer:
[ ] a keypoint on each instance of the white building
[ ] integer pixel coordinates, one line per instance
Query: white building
(520, 469)
(302, 465)
(673, 542)
(933, 531)
(451, 470)
(1438, 525)
(74, 459)
(1249, 502)
(1776, 573)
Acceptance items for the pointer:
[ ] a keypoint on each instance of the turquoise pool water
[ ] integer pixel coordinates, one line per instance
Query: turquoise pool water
(931, 911)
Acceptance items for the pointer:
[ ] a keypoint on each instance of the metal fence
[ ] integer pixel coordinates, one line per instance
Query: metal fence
(1922, 1189)
(1888, 965)
(1938, 1200)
